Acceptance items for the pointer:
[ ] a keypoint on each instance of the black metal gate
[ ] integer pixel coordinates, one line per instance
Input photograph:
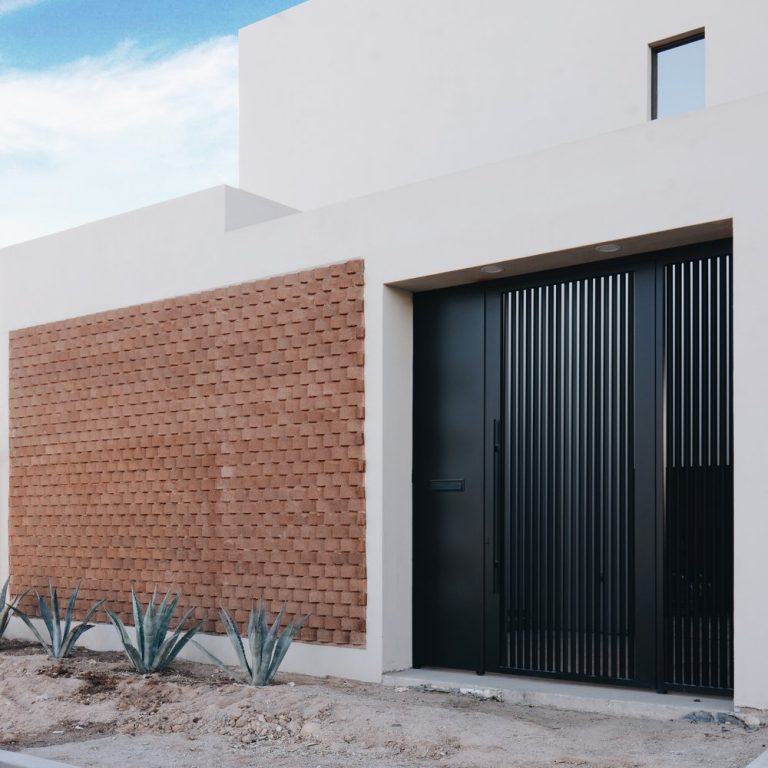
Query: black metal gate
(591, 506)
(569, 388)
(698, 620)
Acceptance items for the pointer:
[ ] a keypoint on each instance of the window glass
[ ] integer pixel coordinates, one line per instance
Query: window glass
(678, 73)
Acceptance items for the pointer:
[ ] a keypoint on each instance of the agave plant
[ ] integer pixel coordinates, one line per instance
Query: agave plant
(61, 640)
(266, 645)
(7, 608)
(154, 651)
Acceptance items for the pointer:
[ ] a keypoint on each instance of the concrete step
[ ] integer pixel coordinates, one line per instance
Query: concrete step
(580, 697)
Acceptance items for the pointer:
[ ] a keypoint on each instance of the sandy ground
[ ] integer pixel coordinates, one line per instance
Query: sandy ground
(93, 711)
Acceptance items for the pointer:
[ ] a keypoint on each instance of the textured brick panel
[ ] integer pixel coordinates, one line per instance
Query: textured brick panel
(210, 443)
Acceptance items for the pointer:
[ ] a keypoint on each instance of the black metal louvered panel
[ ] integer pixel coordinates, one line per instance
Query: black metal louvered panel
(698, 472)
(568, 401)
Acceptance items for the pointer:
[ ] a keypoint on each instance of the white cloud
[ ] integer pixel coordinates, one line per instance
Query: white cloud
(6, 6)
(103, 135)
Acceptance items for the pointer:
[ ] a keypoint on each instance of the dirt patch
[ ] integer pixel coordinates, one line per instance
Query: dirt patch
(55, 670)
(73, 709)
(19, 648)
(95, 684)
(66, 732)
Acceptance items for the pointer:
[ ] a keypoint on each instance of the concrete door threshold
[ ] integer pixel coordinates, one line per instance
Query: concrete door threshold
(581, 697)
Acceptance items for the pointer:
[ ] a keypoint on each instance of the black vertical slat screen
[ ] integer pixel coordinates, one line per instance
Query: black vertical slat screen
(698, 474)
(568, 400)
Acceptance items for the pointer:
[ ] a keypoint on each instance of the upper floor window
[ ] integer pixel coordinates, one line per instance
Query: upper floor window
(677, 72)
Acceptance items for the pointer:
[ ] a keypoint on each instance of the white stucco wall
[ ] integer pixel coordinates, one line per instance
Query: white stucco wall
(340, 98)
(703, 167)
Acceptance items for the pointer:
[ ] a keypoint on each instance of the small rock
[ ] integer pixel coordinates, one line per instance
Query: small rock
(750, 722)
(727, 718)
(700, 716)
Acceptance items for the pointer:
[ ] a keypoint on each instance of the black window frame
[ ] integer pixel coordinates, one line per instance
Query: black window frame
(667, 45)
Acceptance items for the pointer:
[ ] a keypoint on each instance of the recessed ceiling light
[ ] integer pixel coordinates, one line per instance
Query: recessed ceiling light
(608, 248)
(491, 269)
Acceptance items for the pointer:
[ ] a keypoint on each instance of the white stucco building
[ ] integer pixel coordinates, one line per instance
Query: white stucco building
(562, 475)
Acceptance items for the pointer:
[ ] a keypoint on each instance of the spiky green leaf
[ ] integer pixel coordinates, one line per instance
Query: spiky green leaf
(55, 625)
(188, 635)
(261, 631)
(215, 659)
(45, 615)
(70, 610)
(23, 616)
(149, 628)
(164, 617)
(236, 642)
(138, 619)
(173, 646)
(73, 635)
(128, 646)
(269, 648)
(167, 643)
(6, 608)
(288, 636)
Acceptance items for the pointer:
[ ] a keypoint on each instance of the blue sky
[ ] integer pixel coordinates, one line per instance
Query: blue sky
(109, 105)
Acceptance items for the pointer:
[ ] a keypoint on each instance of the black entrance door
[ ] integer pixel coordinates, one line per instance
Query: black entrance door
(569, 478)
(573, 473)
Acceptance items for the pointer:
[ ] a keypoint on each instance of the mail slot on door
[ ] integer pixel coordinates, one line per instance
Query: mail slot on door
(447, 485)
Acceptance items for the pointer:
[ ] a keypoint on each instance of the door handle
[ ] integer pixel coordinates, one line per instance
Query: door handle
(496, 502)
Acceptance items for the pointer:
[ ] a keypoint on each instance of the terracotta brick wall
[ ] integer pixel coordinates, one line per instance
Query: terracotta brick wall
(211, 443)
